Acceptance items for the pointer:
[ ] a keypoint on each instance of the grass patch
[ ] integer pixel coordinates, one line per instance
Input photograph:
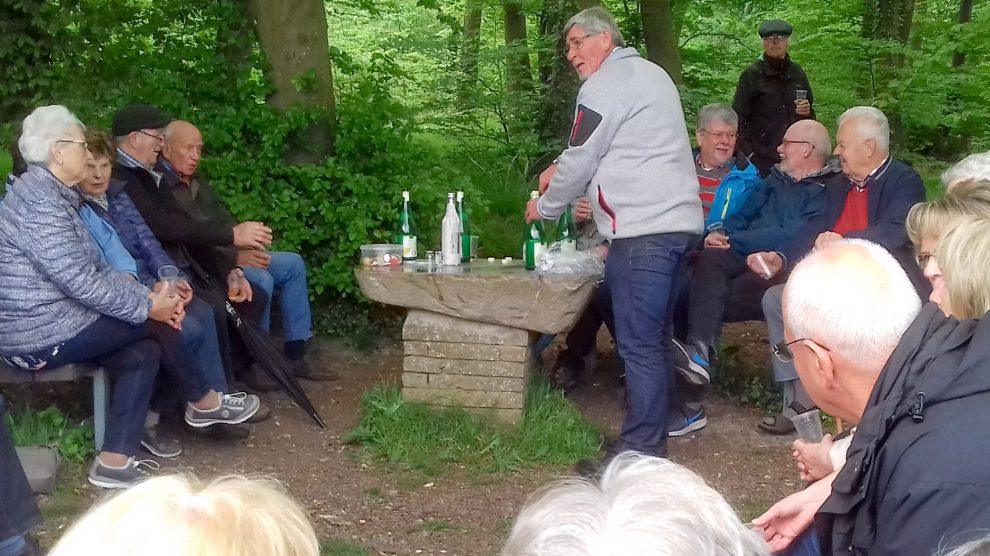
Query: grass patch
(50, 427)
(340, 547)
(434, 526)
(431, 440)
(739, 381)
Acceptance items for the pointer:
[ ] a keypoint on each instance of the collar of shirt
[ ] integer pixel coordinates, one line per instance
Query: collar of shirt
(131, 162)
(697, 160)
(861, 185)
(185, 180)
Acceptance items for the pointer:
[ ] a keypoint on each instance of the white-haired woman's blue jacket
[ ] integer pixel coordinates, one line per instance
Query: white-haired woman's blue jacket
(53, 282)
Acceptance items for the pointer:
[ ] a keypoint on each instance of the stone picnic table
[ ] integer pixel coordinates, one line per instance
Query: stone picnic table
(469, 332)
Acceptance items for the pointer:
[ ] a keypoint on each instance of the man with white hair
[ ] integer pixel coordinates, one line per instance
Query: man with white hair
(871, 204)
(629, 153)
(913, 380)
(642, 505)
(725, 175)
(976, 165)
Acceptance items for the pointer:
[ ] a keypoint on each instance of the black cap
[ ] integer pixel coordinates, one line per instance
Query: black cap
(775, 27)
(135, 117)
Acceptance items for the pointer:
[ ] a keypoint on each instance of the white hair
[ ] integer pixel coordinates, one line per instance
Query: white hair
(853, 305)
(594, 21)
(974, 166)
(645, 506)
(43, 127)
(978, 547)
(871, 124)
(175, 515)
(717, 111)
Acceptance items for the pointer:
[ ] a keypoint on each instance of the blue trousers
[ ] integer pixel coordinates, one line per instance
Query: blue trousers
(199, 335)
(287, 273)
(643, 276)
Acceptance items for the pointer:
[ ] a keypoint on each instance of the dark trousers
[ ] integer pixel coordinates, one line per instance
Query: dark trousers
(232, 352)
(643, 275)
(723, 289)
(132, 355)
(582, 338)
(18, 510)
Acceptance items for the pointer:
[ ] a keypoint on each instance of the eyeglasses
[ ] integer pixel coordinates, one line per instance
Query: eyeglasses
(788, 141)
(923, 258)
(85, 144)
(782, 351)
(776, 37)
(156, 137)
(576, 42)
(727, 135)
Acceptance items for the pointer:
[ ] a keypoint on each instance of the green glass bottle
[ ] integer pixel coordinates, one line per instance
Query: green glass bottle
(567, 231)
(465, 228)
(405, 233)
(534, 240)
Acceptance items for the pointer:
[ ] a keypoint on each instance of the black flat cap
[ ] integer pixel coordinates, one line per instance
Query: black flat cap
(775, 27)
(135, 117)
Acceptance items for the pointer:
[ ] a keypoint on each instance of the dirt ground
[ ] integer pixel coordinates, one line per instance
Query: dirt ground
(356, 503)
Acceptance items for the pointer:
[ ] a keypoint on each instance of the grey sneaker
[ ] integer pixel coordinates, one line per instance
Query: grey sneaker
(132, 473)
(158, 444)
(691, 365)
(233, 409)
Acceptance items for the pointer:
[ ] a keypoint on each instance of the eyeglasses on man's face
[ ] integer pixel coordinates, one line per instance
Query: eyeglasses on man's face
(156, 137)
(575, 43)
(789, 142)
(775, 37)
(725, 135)
(782, 350)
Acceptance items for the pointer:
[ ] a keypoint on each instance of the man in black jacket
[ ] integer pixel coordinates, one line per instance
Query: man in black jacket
(915, 382)
(773, 93)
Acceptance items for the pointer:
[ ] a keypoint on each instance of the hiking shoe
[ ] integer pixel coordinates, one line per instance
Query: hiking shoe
(233, 409)
(683, 422)
(132, 473)
(157, 444)
(302, 369)
(692, 366)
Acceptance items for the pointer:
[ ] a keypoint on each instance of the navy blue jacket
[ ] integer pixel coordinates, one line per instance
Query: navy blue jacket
(893, 190)
(777, 208)
(916, 480)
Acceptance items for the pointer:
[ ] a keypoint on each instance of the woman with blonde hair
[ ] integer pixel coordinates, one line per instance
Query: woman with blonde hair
(962, 261)
(179, 515)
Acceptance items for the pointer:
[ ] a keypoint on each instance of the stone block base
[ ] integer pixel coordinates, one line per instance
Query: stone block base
(481, 367)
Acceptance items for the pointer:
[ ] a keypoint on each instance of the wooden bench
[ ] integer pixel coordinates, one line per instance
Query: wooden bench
(69, 373)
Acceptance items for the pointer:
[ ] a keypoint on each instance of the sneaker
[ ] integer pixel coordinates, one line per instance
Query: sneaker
(233, 409)
(694, 368)
(130, 474)
(158, 444)
(680, 423)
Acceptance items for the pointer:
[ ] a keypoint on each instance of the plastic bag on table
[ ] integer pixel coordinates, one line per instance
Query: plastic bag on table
(570, 261)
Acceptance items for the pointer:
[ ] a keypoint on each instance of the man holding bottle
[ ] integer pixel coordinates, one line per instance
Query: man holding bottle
(629, 152)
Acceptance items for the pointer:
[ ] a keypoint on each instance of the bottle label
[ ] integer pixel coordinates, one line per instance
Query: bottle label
(409, 250)
(568, 245)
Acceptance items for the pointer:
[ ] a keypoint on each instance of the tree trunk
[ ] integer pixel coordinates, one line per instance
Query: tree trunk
(658, 33)
(519, 75)
(965, 15)
(558, 81)
(471, 43)
(887, 24)
(294, 36)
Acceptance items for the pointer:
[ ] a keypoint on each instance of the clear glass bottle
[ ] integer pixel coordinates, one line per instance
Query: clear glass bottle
(450, 239)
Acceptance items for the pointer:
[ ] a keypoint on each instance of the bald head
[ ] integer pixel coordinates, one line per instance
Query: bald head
(183, 147)
(854, 299)
(805, 149)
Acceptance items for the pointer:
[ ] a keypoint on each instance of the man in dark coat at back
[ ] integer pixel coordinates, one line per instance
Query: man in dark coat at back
(773, 93)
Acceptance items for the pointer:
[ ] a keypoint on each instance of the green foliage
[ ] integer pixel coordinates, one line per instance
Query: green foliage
(429, 439)
(751, 386)
(49, 427)
(341, 547)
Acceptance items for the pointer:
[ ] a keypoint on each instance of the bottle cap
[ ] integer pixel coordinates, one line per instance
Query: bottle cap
(491, 259)
(405, 195)
(534, 194)
(450, 195)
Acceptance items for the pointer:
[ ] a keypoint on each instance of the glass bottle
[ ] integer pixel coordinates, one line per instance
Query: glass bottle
(567, 231)
(450, 239)
(465, 228)
(405, 233)
(534, 240)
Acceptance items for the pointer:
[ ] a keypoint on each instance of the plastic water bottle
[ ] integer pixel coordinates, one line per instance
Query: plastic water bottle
(450, 230)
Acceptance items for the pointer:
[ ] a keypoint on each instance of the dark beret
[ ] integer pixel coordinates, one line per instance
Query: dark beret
(135, 117)
(775, 26)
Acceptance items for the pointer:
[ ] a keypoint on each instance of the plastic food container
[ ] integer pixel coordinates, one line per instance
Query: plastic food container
(381, 254)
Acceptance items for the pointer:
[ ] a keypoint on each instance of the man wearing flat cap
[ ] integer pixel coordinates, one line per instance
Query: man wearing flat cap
(772, 94)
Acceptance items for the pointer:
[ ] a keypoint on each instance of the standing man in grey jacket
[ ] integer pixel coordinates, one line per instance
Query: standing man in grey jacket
(629, 153)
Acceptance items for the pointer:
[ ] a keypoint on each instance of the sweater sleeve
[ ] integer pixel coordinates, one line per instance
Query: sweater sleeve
(599, 114)
(50, 242)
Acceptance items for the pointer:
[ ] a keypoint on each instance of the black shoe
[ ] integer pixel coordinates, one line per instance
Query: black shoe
(258, 380)
(263, 413)
(303, 369)
(592, 468)
(223, 431)
(157, 444)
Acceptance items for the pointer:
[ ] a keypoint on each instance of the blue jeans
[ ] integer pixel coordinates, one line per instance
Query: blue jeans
(806, 544)
(199, 335)
(643, 276)
(287, 273)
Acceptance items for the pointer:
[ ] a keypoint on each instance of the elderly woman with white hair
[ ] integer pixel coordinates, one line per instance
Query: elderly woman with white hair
(61, 303)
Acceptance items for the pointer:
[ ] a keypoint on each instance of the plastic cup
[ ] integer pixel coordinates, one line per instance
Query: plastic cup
(809, 426)
(474, 247)
(170, 276)
(801, 94)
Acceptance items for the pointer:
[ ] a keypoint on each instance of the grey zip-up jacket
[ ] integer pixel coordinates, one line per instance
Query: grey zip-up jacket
(629, 153)
(53, 282)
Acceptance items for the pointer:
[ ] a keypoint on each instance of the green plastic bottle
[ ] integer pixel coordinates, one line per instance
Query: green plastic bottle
(534, 240)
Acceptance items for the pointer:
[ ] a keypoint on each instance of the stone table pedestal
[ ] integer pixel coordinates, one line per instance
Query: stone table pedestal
(468, 337)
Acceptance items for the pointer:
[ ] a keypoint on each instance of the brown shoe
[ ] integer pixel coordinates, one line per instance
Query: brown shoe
(302, 369)
(263, 413)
